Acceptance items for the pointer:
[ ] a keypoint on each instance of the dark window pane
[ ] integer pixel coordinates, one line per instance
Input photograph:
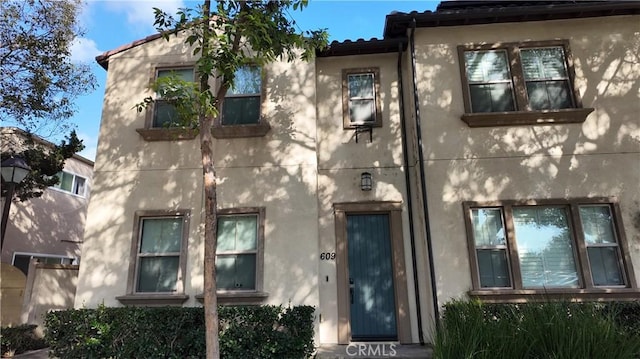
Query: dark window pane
(165, 115)
(246, 271)
(241, 110)
(22, 262)
(605, 268)
(225, 272)
(158, 274)
(549, 95)
(236, 272)
(494, 271)
(78, 187)
(491, 98)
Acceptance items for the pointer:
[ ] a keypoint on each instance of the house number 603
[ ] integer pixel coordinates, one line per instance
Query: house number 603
(327, 256)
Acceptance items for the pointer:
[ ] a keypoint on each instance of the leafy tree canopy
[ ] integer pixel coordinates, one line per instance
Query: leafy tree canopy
(39, 81)
(44, 158)
(39, 85)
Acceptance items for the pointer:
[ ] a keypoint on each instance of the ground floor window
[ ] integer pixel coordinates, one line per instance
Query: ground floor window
(240, 249)
(22, 260)
(547, 244)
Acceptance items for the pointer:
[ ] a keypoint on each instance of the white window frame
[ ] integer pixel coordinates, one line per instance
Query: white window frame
(74, 183)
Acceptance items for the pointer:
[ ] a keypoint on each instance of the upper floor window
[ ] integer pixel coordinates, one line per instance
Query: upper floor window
(240, 249)
(361, 97)
(243, 105)
(519, 83)
(554, 245)
(166, 114)
(243, 101)
(71, 183)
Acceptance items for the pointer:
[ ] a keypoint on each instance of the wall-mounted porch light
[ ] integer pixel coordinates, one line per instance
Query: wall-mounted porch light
(366, 181)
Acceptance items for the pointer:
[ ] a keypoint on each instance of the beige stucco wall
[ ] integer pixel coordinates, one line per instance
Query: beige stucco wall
(277, 171)
(53, 223)
(600, 157)
(341, 161)
(49, 287)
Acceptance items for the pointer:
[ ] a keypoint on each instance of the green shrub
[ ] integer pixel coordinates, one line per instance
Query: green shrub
(471, 329)
(20, 339)
(176, 332)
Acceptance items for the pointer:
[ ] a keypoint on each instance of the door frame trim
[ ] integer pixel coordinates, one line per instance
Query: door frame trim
(394, 210)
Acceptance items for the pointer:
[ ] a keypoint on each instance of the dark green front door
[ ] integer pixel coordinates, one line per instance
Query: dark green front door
(371, 290)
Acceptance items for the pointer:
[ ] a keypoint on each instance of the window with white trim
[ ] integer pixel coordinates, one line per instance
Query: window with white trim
(565, 245)
(22, 260)
(72, 183)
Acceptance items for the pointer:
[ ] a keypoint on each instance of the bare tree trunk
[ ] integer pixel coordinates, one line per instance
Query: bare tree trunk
(211, 218)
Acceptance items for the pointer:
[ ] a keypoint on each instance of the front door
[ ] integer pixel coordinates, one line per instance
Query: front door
(371, 287)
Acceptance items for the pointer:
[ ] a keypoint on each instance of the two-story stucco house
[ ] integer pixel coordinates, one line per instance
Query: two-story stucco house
(49, 228)
(489, 150)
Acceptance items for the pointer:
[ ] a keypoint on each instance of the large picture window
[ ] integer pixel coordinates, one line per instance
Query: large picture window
(519, 83)
(549, 245)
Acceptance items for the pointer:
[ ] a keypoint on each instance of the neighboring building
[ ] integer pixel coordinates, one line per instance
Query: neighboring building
(49, 228)
(502, 142)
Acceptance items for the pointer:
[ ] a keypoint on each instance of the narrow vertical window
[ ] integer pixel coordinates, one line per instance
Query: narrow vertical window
(602, 246)
(546, 78)
(159, 254)
(166, 114)
(361, 98)
(491, 247)
(489, 78)
(242, 102)
(237, 252)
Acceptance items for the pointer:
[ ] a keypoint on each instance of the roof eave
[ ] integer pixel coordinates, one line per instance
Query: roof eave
(396, 25)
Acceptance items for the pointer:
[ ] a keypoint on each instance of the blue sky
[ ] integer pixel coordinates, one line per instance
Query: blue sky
(109, 24)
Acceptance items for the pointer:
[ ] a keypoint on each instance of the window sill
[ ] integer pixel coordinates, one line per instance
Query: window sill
(576, 295)
(152, 299)
(523, 118)
(238, 297)
(167, 134)
(240, 131)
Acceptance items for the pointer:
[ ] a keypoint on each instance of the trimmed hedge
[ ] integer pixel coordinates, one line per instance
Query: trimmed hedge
(16, 340)
(177, 332)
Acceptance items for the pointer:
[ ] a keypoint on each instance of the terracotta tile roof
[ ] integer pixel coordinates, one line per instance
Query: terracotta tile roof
(452, 13)
(103, 59)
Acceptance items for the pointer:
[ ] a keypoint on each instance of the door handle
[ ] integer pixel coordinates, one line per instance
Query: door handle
(352, 286)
